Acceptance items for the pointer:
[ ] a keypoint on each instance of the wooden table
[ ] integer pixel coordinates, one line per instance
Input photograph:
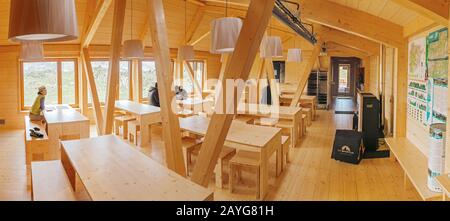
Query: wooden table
(146, 115)
(242, 136)
(64, 124)
(196, 104)
(444, 181)
(293, 114)
(57, 106)
(111, 169)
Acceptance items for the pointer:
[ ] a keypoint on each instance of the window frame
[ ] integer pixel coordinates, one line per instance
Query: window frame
(204, 73)
(151, 59)
(130, 81)
(58, 80)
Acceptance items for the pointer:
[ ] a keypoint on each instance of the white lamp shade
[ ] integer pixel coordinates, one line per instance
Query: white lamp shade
(32, 51)
(294, 55)
(224, 34)
(42, 20)
(271, 47)
(133, 49)
(186, 53)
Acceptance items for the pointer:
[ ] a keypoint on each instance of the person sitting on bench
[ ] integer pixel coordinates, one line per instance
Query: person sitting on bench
(39, 105)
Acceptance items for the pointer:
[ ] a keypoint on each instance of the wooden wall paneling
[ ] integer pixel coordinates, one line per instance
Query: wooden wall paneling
(239, 66)
(305, 74)
(417, 26)
(401, 90)
(171, 126)
(113, 76)
(98, 116)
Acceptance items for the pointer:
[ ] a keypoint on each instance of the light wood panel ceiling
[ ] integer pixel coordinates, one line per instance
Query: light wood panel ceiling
(386, 9)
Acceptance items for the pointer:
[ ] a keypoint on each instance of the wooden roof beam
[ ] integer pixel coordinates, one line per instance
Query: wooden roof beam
(90, 30)
(417, 26)
(352, 21)
(194, 24)
(351, 41)
(436, 10)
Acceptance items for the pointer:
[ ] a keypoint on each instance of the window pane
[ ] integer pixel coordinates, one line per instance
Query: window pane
(100, 69)
(68, 82)
(36, 74)
(124, 80)
(198, 67)
(187, 82)
(148, 77)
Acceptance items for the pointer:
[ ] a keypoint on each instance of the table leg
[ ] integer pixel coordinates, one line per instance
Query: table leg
(264, 174)
(279, 155)
(294, 135)
(145, 134)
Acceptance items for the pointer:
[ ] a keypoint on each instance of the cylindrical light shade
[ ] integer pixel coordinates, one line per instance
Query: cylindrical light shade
(294, 55)
(42, 20)
(271, 47)
(133, 49)
(224, 34)
(186, 53)
(32, 51)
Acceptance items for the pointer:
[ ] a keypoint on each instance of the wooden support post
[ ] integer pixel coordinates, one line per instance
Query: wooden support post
(83, 97)
(93, 89)
(305, 75)
(239, 66)
(401, 90)
(191, 73)
(113, 77)
(136, 91)
(170, 122)
(274, 92)
(97, 17)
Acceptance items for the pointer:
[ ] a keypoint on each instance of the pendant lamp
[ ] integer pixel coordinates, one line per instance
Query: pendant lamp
(32, 51)
(225, 33)
(271, 47)
(133, 48)
(42, 20)
(294, 54)
(185, 52)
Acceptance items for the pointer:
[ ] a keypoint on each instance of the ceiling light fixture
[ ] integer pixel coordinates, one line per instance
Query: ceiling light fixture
(225, 33)
(186, 52)
(133, 48)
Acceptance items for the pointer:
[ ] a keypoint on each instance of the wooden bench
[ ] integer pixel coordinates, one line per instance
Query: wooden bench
(444, 181)
(414, 164)
(308, 112)
(50, 182)
(37, 149)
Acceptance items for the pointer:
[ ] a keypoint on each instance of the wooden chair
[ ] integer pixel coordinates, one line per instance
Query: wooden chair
(225, 155)
(286, 144)
(287, 129)
(133, 129)
(190, 146)
(245, 159)
(122, 121)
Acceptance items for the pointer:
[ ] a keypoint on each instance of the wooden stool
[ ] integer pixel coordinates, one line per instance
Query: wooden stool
(308, 112)
(289, 127)
(122, 121)
(270, 122)
(133, 128)
(245, 159)
(190, 146)
(226, 154)
(304, 124)
(285, 144)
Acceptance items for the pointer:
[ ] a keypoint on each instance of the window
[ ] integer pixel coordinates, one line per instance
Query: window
(100, 68)
(59, 76)
(198, 68)
(148, 76)
(279, 69)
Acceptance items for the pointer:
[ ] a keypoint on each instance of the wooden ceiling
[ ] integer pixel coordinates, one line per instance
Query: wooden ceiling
(211, 9)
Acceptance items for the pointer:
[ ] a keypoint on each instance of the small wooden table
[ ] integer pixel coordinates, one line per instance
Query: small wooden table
(293, 114)
(444, 181)
(111, 169)
(196, 104)
(146, 115)
(64, 124)
(242, 136)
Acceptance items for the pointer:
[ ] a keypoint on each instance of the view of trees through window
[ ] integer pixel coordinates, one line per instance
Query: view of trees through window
(36, 74)
(148, 77)
(198, 67)
(100, 70)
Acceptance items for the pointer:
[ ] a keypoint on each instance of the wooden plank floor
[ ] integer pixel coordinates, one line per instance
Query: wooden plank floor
(311, 175)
